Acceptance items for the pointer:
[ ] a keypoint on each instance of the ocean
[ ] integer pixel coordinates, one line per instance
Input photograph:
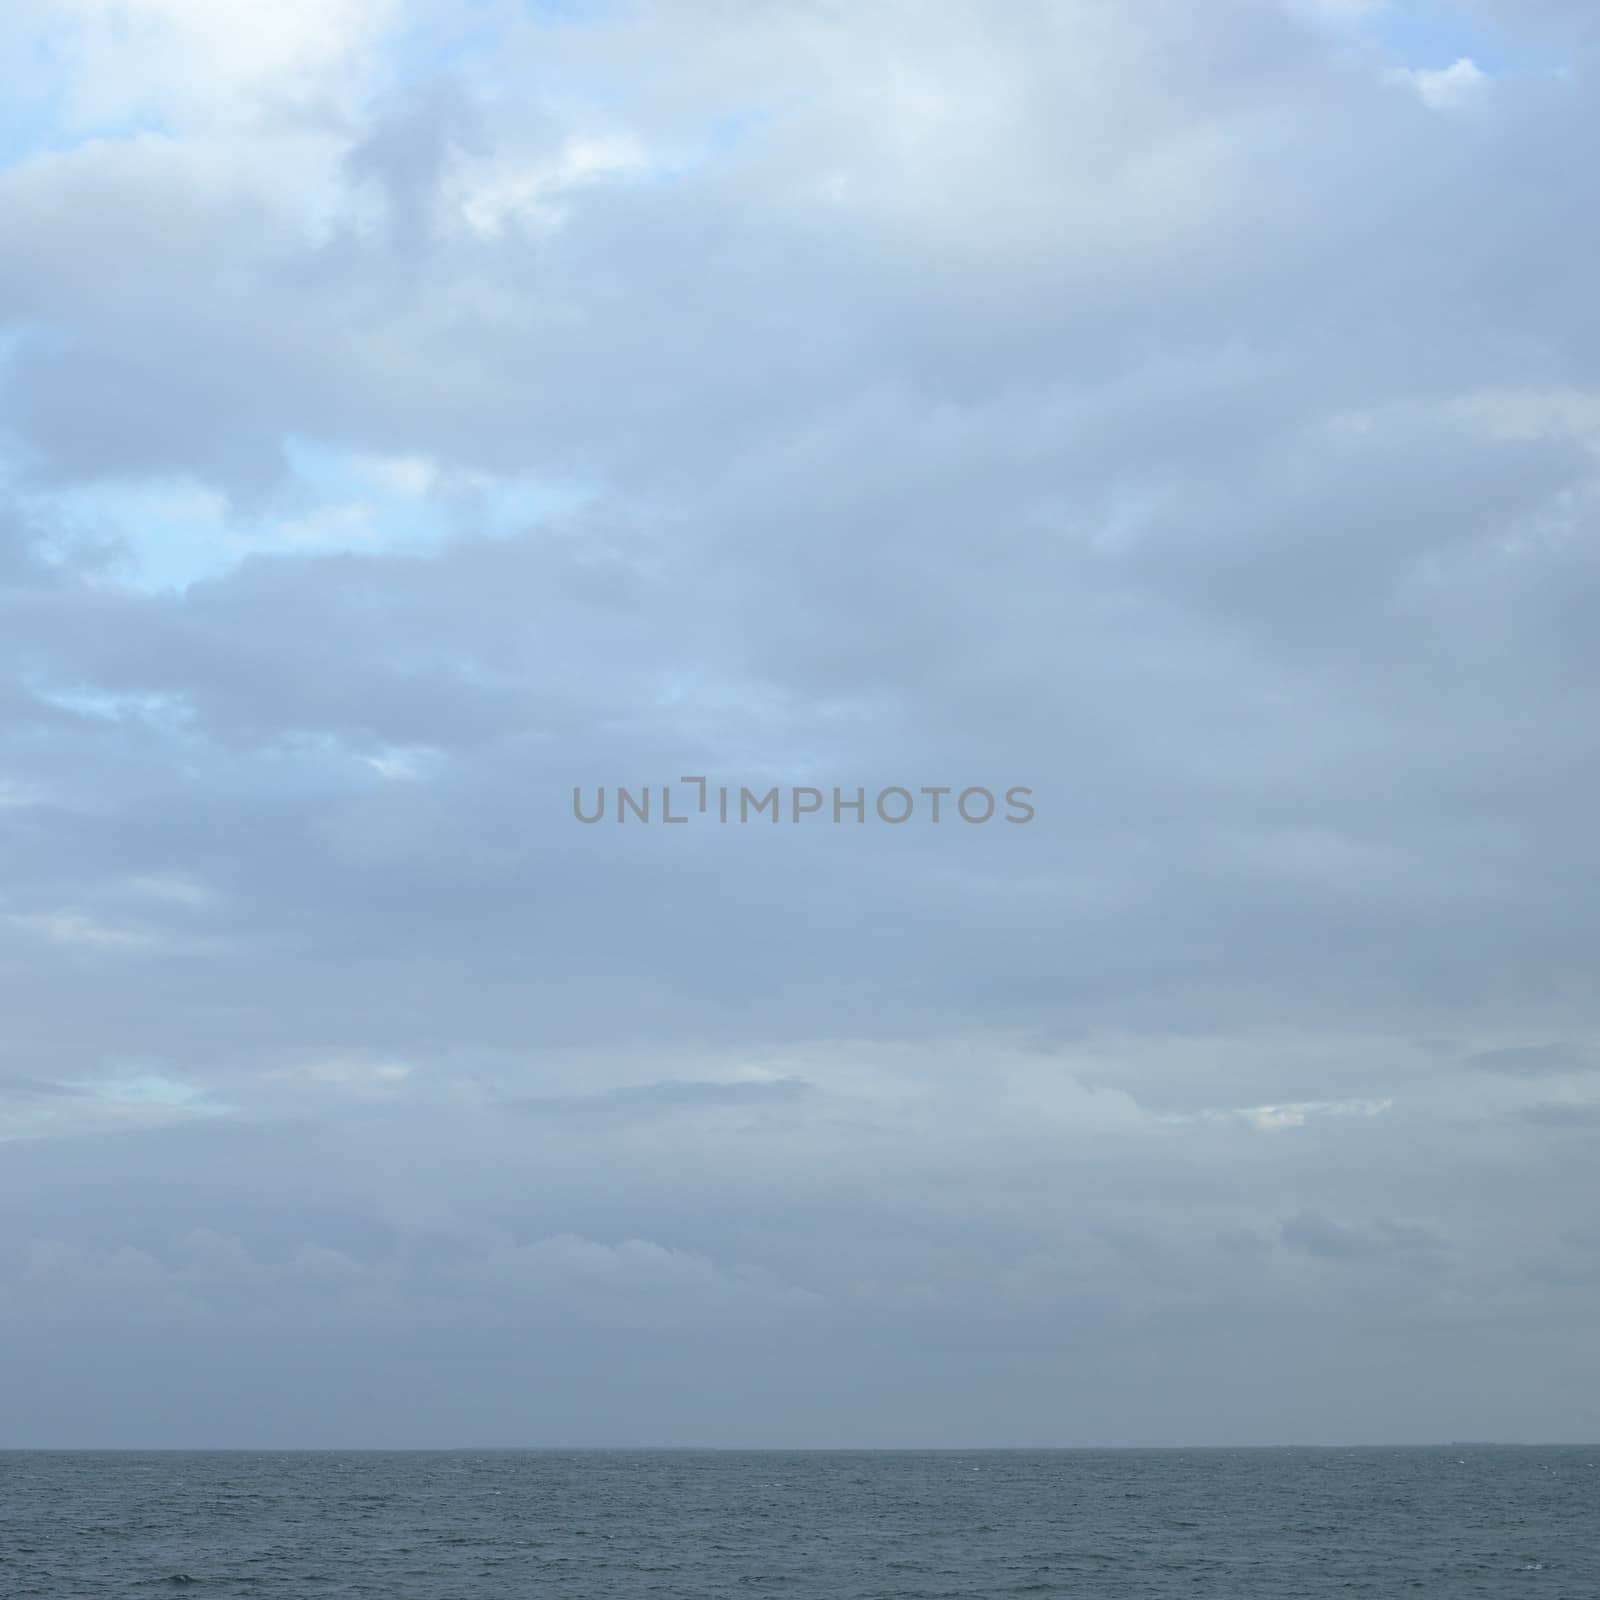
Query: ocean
(1456, 1522)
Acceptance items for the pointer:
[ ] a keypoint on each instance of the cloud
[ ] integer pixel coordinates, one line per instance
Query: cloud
(120, 59)
(1332, 1241)
(410, 412)
(1270, 1118)
(1450, 89)
(667, 1098)
(1533, 1060)
(1564, 1114)
(14, 1084)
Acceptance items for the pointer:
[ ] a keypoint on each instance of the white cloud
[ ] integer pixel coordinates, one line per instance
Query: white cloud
(359, 1075)
(534, 192)
(211, 59)
(174, 888)
(77, 929)
(1455, 88)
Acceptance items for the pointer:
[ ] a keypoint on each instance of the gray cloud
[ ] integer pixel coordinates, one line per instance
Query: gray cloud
(1565, 1114)
(1173, 413)
(1533, 1060)
(1333, 1241)
(672, 1095)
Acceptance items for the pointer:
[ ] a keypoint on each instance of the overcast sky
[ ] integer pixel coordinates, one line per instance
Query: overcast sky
(413, 409)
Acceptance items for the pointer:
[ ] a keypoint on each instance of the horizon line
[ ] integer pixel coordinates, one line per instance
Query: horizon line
(740, 1449)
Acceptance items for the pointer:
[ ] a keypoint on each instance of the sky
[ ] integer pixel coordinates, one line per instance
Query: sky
(414, 411)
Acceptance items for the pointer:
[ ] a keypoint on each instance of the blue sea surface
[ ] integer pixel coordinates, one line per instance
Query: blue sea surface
(1457, 1522)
